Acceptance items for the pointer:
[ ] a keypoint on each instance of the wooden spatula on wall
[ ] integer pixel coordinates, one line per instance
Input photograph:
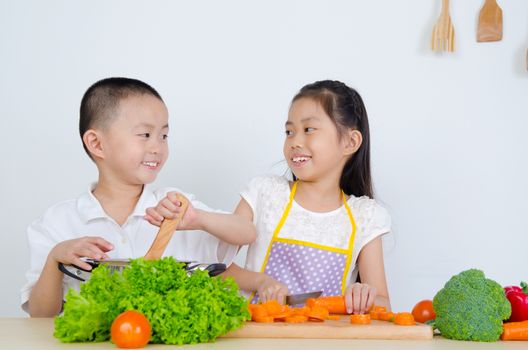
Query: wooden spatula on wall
(165, 232)
(443, 38)
(490, 22)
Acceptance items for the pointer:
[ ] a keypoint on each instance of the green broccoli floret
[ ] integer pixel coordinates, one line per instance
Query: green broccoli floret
(471, 307)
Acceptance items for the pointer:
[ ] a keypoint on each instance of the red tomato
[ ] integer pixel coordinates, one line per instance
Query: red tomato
(423, 311)
(131, 329)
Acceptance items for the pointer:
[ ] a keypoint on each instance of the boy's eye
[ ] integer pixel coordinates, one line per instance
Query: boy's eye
(289, 132)
(308, 129)
(147, 135)
(165, 136)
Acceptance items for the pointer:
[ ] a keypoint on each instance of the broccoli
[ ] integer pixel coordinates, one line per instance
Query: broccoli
(471, 307)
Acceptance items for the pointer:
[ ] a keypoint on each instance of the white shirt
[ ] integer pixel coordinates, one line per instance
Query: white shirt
(268, 196)
(85, 216)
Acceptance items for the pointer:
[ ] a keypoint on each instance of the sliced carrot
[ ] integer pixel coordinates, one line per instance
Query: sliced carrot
(515, 331)
(263, 319)
(296, 319)
(301, 311)
(334, 317)
(258, 311)
(374, 315)
(318, 312)
(273, 307)
(386, 316)
(404, 319)
(360, 319)
(377, 308)
(334, 304)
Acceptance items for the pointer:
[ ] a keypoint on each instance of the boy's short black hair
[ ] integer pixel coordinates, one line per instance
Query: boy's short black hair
(101, 100)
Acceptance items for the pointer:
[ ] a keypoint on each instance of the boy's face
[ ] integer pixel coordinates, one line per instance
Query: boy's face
(134, 145)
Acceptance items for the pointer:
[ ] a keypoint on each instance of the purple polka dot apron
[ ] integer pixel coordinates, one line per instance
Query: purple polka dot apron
(305, 266)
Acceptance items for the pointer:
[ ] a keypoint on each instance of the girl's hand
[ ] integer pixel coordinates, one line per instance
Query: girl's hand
(169, 208)
(71, 251)
(359, 298)
(271, 289)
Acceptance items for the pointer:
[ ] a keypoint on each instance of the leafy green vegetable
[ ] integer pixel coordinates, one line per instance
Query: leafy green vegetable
(180, 309)
(471, 307)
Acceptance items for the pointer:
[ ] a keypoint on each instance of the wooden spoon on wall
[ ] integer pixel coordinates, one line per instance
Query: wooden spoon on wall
(443, 38)
(490, 22)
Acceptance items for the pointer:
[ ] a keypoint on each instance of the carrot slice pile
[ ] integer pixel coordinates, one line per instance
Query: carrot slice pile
(320, 310)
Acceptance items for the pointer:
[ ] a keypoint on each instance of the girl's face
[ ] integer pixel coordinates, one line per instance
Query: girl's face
(313, 149)
(135, 143)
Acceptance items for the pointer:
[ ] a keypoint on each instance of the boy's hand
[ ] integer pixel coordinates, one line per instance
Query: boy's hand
(359, 298)
(169, 208)
(71, 251)
(271, 289)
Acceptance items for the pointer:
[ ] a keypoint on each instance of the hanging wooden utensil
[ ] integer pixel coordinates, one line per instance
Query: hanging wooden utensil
(490, 22)
(443, 38)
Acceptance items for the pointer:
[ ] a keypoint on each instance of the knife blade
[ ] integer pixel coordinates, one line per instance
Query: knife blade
(296, 299)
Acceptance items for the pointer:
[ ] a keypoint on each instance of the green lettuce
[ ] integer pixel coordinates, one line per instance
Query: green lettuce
(181, 309)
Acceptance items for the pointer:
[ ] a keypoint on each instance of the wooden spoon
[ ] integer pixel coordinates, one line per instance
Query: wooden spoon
(165, 232)
(443, 38)
(490, 22)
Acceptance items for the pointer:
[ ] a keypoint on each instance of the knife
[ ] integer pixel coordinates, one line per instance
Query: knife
(296, 299)
(117, 265)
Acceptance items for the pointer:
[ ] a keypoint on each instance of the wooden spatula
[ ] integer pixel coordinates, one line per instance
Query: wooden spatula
(490, 22)
(443, 38)
(165, 232)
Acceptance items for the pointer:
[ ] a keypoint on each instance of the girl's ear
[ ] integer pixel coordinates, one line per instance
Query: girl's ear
(353, 140)
(92, 141)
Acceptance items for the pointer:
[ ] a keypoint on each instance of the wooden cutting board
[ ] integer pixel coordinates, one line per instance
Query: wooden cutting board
(341, 329)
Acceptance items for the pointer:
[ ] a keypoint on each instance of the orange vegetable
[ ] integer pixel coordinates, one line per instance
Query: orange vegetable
(318, 313)
(334, 317)
(386, 316)
(334, 304)
(263, 319)
(515, 331)
(300, 311)
(273, 307)
(423, 311)
(258, 311)
(376, 308)
(404, 319)
(360, 319)
(296, 319)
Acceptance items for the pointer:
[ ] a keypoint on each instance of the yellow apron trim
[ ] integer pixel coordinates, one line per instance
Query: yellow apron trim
(350, 245)
(310, 244)
(277, 229)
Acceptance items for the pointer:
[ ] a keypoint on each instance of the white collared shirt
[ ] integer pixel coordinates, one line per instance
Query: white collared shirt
(85, 216)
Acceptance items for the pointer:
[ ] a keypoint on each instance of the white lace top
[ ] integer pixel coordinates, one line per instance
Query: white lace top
(268, 196)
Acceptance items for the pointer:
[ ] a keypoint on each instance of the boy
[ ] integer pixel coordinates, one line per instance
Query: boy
(123, 126)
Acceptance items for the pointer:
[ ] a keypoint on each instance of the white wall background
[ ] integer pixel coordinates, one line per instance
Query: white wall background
(448, 131)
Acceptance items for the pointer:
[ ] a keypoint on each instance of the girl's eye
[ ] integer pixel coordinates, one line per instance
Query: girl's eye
(146, 135)
(289, 132)
(165, 137)
(308, 130)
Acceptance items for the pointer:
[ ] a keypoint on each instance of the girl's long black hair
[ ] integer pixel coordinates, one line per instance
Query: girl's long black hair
(345, 107)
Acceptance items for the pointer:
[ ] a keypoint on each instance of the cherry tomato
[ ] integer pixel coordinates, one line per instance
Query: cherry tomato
(423, 311)
(130, 330)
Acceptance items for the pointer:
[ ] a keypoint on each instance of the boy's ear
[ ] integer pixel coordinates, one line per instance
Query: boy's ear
(92, 141)
(353, 140)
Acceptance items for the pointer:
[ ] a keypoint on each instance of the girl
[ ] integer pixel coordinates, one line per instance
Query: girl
(320, 230)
